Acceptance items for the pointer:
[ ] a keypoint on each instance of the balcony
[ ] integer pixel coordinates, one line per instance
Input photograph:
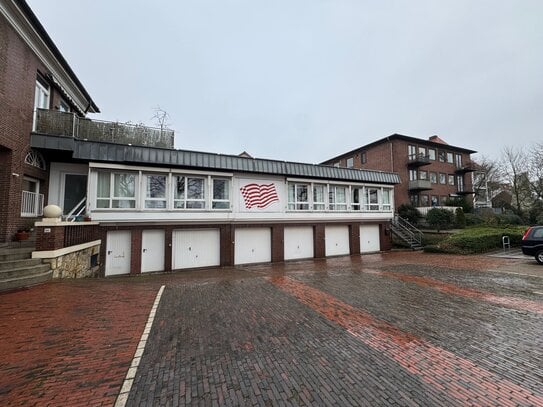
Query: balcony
(418, 160)
(466, 167)
(463, 191)
(55, 123)
(420, 185)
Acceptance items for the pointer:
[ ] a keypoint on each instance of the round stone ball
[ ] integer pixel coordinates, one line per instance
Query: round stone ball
(52, 211)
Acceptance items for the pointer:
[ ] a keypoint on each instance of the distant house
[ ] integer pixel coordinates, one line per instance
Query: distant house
(148, 206)
(431, 170)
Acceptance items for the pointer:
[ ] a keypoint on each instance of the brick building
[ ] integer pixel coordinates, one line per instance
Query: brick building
(431, 171)
(33, 75)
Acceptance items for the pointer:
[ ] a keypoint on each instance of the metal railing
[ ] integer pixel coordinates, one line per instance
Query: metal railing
(77, 210)
(423, 210)
(31, 204)
(407, 230)
(56, 123)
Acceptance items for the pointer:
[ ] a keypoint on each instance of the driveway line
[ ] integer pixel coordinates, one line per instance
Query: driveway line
(129, 379)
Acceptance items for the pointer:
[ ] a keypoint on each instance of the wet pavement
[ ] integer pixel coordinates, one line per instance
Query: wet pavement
(398, 328)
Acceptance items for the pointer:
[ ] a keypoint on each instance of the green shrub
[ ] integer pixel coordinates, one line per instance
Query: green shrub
(460, 218)
(473, 220)
(510, 219)
(409, 212)
(440, 218)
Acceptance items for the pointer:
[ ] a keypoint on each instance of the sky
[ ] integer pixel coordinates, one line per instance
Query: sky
(307, 80)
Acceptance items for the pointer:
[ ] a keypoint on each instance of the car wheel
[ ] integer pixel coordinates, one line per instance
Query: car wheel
(539, 257)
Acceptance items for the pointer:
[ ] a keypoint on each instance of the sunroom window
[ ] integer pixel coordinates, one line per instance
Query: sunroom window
(116, 190)
(189, 192)
(386, 200)
(155, 191)
(371, 199)
(221, 194)
(355, 199)
(298, 197)
(337, 198)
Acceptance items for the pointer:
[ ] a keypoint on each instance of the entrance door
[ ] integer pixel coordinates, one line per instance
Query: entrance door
(152, 250)
(118, 252)
(75, 189)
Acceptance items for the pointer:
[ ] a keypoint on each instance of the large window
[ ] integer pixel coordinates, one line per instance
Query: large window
(116, 190)
(387, 206)
(371, 199)
(41, 99)
(337, 198)
(432, 154)
(189, 192)
(155, 191)
(450, 158)
(433, 178)
(451, 179)
(298, 197)
(221, 194)
(319, 197)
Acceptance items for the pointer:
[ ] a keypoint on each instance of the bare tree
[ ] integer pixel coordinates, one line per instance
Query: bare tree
(486, 179)
(161, 118)
(514, 170)
(536, 171)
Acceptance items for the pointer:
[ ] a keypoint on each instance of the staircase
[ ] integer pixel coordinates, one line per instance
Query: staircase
(407, 233)
(18, 269)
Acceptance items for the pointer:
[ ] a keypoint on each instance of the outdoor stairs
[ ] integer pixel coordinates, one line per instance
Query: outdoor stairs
(407, 233)
(18, 269)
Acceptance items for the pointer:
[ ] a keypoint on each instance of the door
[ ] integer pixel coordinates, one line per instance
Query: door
(152, 251)
(336, 240)
(369, 239)
(298, 242)
(75, 190)
(118, 252)
(196, 248)
(252, 245)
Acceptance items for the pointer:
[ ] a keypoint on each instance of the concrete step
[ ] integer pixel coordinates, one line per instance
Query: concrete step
(25, 281)
(9, 274)
(15, 264)
(16, 253)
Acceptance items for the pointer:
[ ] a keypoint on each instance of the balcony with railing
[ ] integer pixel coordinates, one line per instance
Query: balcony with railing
(462, 168)
(418, 160)
(31, 204)
(56, 123)
(420, 185)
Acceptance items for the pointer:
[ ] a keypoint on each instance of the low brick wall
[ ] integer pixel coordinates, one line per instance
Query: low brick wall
(73, 262)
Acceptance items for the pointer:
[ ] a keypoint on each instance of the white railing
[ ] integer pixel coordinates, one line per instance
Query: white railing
(31, 204)
(423, 210)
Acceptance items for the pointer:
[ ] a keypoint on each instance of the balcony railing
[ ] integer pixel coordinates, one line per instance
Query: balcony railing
(417, 160)
(420, 185)
(465, 167)
(65, 124)
(31, 204)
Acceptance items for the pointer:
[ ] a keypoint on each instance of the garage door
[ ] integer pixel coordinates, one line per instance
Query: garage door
(118, 252)
(337, 240)
(196, 248)
(152, 250)
(298, 242)
(369, 239)
(253, 245)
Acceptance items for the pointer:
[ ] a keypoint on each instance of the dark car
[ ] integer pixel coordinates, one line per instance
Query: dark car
(532, 243)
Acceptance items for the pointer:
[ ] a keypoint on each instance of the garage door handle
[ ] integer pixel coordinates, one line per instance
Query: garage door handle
(144, 250)
(109, 252)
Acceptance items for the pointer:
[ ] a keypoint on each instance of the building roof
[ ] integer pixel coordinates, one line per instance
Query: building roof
(25, 9)
(433, 141)
(126, 154)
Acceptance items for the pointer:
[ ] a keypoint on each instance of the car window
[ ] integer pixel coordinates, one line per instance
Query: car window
(538, 233)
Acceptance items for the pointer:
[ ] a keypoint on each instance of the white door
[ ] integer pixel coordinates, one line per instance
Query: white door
(298, 242)
(369, 239)
(118, 252)
(253, 245)
(152, 250)
(196, 248)
(337, 240)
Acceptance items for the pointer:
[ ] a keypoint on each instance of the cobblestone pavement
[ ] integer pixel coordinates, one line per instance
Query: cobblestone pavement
(399, 328)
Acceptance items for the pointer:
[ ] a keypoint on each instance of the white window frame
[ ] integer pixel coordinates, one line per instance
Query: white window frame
(185, 199)
(41, 100)
(295, 204)
(145, 198)
(371, 206)
(222, 201)
(322, 204)
(111, 197)
(333, 204)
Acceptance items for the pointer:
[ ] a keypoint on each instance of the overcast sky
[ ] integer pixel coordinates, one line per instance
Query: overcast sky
(306, 80)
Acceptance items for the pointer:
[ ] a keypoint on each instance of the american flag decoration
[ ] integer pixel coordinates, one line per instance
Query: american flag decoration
(259, 195)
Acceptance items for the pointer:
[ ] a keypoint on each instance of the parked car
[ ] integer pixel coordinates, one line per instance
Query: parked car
(532, 243)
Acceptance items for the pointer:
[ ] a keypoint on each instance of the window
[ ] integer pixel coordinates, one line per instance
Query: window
(451, 179)
(41, 98)
(319, 195)
(412, 175)
(414, 200)
(411, 152)
(356, 194)
(189, 193)
(155, 192)
(422, 151)
(298, 197)
(450, 158)
(116, 190)
(337, 198)
(460, 181)
(386, 199)
(363, 158)
(424, 200)
(434, 200)
(35, 159)
(371, 199)
(350, 162)
(336, 164)
(221, 194)
(432, 154)
(433, 178)
(423, 175)
(458, 160)
(442, 156)
(443, 200)
(63, 106)
(442, 178)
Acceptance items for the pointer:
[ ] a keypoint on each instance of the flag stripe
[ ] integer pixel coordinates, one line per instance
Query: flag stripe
(259, 195)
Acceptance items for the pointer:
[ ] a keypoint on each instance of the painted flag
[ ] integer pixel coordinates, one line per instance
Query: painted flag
(259, 195)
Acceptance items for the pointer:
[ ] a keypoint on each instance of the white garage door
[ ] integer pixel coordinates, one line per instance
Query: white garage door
(118, 252)
(196, 248)
(337, 240)
(152, 250)
(369, 239)
(298, 242)
(253, 245)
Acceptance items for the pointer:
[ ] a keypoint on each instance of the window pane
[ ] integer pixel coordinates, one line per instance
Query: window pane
(301, 193)
(220, 189)
(155, 204)
(124, 185)
(432, 154)
(179, 188)
(123, 203)
(373, 196)
(220, 205)
(156, 186)
(318, 193)
(291, 189)
(102, 203)
(386, 196)
(195, 188)
(103, 185)
(195, 205)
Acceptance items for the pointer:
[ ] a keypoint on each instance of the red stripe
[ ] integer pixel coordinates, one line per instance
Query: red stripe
(259, 196)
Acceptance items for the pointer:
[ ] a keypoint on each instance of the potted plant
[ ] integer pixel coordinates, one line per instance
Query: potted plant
(23, 233)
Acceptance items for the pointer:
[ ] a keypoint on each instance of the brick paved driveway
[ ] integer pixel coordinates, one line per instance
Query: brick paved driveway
(393, 329)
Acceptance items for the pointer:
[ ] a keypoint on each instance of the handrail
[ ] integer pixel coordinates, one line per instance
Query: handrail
(414, 233)
(72, 214)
